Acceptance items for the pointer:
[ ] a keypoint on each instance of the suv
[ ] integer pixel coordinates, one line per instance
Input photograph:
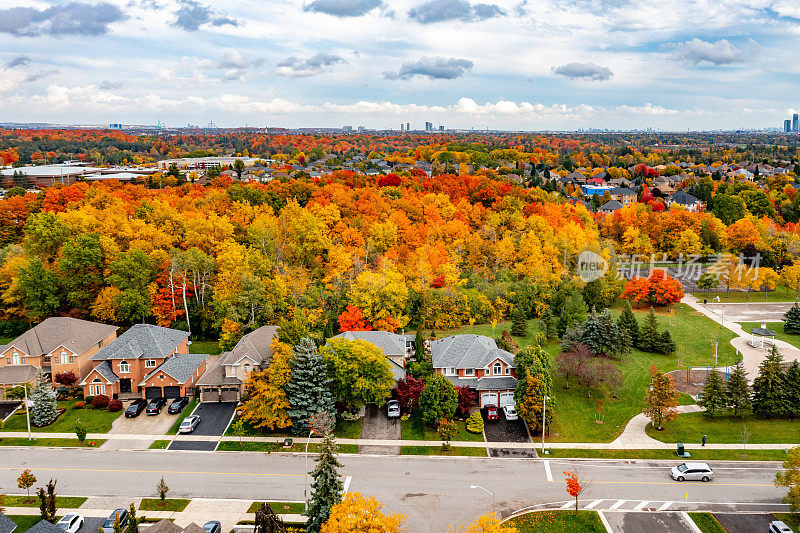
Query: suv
(135, 408)
(155, 405)
(108, 525)
(692, 472)
(779, 527)
(177, 405)
(393, 409)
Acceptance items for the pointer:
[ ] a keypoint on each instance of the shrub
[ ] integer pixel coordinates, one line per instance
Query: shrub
(88, 401)
(114, 406)
(100, 401)
(475, 423)
(66, 378)
(79, 405)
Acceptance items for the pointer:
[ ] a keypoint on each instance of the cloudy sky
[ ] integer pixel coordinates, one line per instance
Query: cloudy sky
(517, 64)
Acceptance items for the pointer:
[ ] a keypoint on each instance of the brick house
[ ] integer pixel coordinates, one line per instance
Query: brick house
(476, 362)
(15, 375)
(130, 363)
(59, 344)
(396, 348)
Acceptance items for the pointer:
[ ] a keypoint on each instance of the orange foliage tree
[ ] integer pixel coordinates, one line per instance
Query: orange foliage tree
(658, 289)
(574, 485)
(352, 319)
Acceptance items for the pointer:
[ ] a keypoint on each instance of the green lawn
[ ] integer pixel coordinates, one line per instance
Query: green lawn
(558, 522)
(344, 430)
(180, 416)
(577, 415)
(702, 454)
(297, 447)
(454, 451)
(67, 502)
(169, 504)
(209, 347)
(690, 427)
(25, 522)
(414, 429)
(95, 420)
(55, 443)
(707, 523)
(280, 507)
(159, 445)
(777, 327)
(780, 295)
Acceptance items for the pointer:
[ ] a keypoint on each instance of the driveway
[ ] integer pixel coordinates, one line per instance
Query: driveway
(744, 522)
(8, 407)
(636, 522)
(376, 425)
(91, 524)
(214, 420)
(503, 430)
(142, 424)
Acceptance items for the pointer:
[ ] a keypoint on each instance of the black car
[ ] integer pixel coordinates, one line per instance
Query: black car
(155, 405)
(212, 526)
(136, 408)
(108, 525)
(177, 405)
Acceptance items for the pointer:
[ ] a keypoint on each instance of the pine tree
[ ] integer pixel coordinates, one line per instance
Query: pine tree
(627, 321)
(308, 390)
(769, 390)
(715, 397)
(45, 406)
(518, 322)
(791, 319)
(792, 382)
(327, 485)
(738, 391)
(547, 324)
(419, 345)
(665, 343)
(573, 313)
(648, 336)
(603, 336)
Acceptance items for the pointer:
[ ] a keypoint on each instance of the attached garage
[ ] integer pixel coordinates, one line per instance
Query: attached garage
(488, 398)
(506, 398)
(152, 392)
(230, 394)
(172, 392)
(210, 394)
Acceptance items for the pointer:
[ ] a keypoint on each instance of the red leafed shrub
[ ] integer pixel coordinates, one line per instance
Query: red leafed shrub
(100, 401)
(79, 405)
(114, 406)
(66, 378)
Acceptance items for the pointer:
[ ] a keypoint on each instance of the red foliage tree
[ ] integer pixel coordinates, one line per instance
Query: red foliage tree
(67, 379)
(352, 319)
(658, 289)
(390, 180)
(574, 485)
(466, 401)
(409, 390)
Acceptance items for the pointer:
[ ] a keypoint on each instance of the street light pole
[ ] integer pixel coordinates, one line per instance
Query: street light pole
(27, 410)
(484, 489)
(544, 407)
(305, 478)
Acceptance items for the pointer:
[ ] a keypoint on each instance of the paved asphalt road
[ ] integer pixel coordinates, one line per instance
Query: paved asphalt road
(749, 312)
(433, 491)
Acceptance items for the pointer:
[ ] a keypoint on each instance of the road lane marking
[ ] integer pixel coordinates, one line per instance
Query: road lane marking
(605, 522)
(640, 506)
(131, 471)
(593, 504)
(547, 470)
(665, 505)
(567, 505)
(346, 486)
(690, 522)
(617, 505)
(595, 482)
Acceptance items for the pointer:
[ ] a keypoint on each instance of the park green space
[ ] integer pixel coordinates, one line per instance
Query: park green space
(454, 451)
(706, 523)
(94, 420)
(777, 327)
(558, 522)
(690, 427)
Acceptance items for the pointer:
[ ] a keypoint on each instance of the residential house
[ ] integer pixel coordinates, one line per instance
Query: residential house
(682, 198)
(59, 344)
(577, 177)
(623, 195)
(126, 366)
(14, 376)
(396, 348)
(225, 376)
(168, 526)
(43, 526)
(6, 524)
(610, 206)
(476, 362)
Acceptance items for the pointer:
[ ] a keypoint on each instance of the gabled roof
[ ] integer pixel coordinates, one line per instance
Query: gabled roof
(75, 335)
(257, 345)
(624, 191)
(105, 371)
(180, 366)
(43, 526)
(611, 205)
(6, 524)
(683, 198)
(485, 383)
(467, 351)
(143, 340)
(16, 374)
(215, 374)
(391, 344)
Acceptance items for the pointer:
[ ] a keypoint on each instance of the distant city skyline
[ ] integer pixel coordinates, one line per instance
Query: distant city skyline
(507, 64)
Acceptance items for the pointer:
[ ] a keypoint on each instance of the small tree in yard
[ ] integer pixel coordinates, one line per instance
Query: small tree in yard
(530, 402)
(738, 391)
(715, 397)
(162, 489)
(25, 481)
(447, 430)
(327, 485)
(570, 363)
(80, 431)
(769, 388)
(790, 478)
(409, 390)
(356, 514)
(466, 401)
(67, 379)
(133, 521)
(45, 407)
(574, 485)
(438, 400)
(519, 322)
(47, 502)
(661, 399)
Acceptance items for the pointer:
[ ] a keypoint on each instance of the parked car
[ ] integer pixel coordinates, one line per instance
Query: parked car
(189, 424)
(692, 472)
(136, 408)
(393, 409)
(155, 405)
(491, 412)
(71, 522)
(510, 412)
(108, 525)
(212, 526)
(177, 405)
(776, 526)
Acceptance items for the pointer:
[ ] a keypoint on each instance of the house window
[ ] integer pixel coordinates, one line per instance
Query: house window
(22, 360)
(246, 368)
(469, 372)
(8, 360)
(150, 363)
(498, 369)
(64, 358)
(15, 358)
(450, 371)
(508, 370)
(96, 388)
(71, 359)
(124, 367)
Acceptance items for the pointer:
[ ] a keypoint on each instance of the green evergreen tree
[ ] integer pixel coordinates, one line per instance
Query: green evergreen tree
(573, 313)
(649, 337)
(327, 485)
(309, 389)
(769, 389)
(738, 391)
(791, 319)
(45, 405)
(792, 383)
(665, 343)
(519, 322)
(419, 345)
(715, 397)
(438, 400)
(627, 321)
(603, 336)
(547, 324)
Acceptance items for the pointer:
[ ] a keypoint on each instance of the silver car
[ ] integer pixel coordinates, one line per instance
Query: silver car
(393, 409)
(777, 526)
(692, 472)
(510, 412)
(189, 424)
(71, 522)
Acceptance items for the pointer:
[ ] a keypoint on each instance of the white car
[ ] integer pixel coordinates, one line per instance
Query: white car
(510, 412)
(393, 409)
(189, 424)
(692, 472)
(71, 522)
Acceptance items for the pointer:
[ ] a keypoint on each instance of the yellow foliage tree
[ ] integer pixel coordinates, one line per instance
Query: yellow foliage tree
(357, 514)
(267, 405)
(488, 523)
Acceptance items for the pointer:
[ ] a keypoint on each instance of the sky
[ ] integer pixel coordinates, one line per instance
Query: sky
(507, 65)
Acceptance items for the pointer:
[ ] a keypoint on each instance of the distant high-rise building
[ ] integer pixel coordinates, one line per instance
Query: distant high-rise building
(428, 126)
(795, 122)
(361, 128)
(408, 126)
(402, 127)
(441, 128)
(347, 128)
(787, 125)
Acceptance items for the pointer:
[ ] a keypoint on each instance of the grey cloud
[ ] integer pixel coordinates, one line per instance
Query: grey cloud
(437, 68)
(192, 14)
(73, 18)
(721, 52)
(36, 76)
(584, 71)
(18, 61)
(295, 67)
(344, 8)
(443, 10)
(236, 65)
(110, 86)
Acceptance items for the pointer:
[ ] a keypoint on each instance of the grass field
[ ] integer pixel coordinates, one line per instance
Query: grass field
(280, 507)
(577, 414)
(159, 445)
(777, 327)
(454, 451)
(297, 447)
(780, 295)
(25, 522)
(414, 429)
(183, 414)
(169, 504)
(55, 443)
(209, 347)
(690, 427)
(667, 455)
(558, 522)
(67, 502)
(707, 523)
(95, 420)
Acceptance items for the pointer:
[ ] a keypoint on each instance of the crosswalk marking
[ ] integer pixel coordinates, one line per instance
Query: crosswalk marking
(617, 505)
(640, 506)
(593, 504)
(547, 470)
(665, 505)
(567, 505)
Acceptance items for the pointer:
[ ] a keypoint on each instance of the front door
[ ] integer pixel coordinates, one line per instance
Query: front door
(124, 385)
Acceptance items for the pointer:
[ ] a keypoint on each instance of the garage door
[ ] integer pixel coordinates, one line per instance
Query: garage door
(152, 392)
(209, 395)
(488, 397)
(230, 395)
(172, 392)
(506, 398)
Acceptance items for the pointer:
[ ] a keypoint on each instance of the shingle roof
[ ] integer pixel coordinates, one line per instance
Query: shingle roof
(6, 524)
(214, 375)
(105, 370)
(165, 526)
(683, 198)
(43, 526)
(623, 191)
(467, 351)
(180, 366)
(611, 205)
(143, 340)
(391, 344)
(257, 345)
(75, 335)
(485, 383)
(16, 374)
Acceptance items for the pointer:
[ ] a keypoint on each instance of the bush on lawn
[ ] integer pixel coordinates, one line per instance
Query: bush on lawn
(88, 401)
(79, 405)
(114, 406)
(100, 401)
(475, 423)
